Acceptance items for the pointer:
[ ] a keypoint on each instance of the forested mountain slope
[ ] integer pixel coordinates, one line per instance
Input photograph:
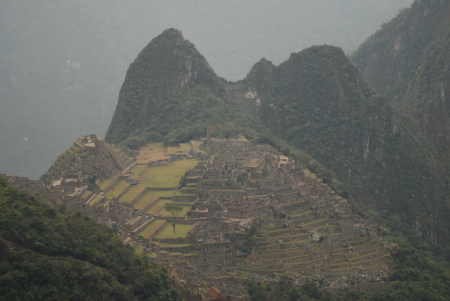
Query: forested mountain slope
(408, 60)
(316, 100)
(48, 254)
(170, 92)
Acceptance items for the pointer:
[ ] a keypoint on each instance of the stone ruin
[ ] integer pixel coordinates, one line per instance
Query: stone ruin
(65, 183)
(256, 213)
(302, 229)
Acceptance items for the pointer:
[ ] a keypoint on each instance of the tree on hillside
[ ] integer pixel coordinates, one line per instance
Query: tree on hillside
(174, 209)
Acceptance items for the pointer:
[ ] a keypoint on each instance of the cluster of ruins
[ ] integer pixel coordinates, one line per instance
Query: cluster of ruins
(251, 212)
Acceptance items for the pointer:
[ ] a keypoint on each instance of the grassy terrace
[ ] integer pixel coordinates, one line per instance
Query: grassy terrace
(105, 183)
(158, 206)
(116, 190)
(151, 229)
(164, 245)
(253, 162)
(149, 197)
(179, 193)
(137, 248)
(167, 176)
(183, 147)
(138, 168)
(167, 232)
(151, 152)
(132, 193)
(96, 200)
(86, 194)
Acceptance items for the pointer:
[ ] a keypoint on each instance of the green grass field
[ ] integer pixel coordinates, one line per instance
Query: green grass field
(151, 152)
(138, 168)
(150, 230)
(167, 176)
(164, 245)
(158, 206)
(86, 194)
(105, 183)
(167, 232)
(137, 248)
(184, 147)
(96, 200)
(151, 255)
(132, 193)
(149, 197)
(116, 190)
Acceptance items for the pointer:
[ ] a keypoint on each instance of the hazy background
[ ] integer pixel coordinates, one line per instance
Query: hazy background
(62, 62)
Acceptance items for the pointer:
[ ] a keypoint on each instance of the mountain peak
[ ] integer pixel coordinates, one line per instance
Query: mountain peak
(168, 64)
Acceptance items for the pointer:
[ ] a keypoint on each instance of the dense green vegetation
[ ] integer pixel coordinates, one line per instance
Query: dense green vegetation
(413, 278)
(319, 102)
(146, 112)
(54, 255)
(404, 50)
(408, 61)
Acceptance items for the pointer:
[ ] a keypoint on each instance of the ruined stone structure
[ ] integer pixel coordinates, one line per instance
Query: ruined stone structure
(253, 211)
(302, 228)
(65, 182)
(89, 155)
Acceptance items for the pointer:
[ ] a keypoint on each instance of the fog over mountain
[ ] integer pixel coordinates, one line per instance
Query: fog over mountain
(62, 62)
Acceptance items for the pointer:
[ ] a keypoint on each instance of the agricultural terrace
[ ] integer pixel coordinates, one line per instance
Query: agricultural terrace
(180, 229)
(86, 194)
(159, 206)
(118, 189)
(138, 168)
(151, 229)
(132, 193)
(253, 162)
(167, 176)
(150, 197)
(97, 199)
(151, 152)
(105, 183)
(183, 148)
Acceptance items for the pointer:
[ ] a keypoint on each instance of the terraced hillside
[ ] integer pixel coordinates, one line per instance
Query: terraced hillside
(134, 201)
(246, 211)
(256, 213)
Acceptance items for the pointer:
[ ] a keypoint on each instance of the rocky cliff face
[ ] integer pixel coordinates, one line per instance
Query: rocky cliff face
(408, 61)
